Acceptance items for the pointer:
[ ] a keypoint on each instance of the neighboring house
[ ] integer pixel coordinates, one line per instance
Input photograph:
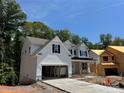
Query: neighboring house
(106, 62)
(42, 59)
(118, 51)
(81, 60)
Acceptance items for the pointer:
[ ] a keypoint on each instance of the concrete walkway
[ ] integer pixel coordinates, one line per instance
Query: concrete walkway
(76, 86)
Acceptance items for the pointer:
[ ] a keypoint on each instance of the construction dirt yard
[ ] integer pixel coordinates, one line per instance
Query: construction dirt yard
(77, 84)
(115, 81)
(38, 87)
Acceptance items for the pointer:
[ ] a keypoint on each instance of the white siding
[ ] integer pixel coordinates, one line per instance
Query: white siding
(28, 63)
(47, 50)
(95, 57)
(83, 48)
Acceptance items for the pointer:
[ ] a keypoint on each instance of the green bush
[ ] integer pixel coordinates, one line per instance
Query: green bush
(7, 74)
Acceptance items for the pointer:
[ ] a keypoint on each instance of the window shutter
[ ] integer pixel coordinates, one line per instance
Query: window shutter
(53, 46)
(71, 51)
(58, 48)
(80, 52)
(86, 53)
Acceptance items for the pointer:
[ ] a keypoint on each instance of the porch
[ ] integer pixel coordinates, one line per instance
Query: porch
(82, 66)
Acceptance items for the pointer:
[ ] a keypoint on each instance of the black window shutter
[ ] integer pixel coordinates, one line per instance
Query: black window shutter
(71, 51)
(53, 46)
(86, 53)
(75, 52)
(58, 48)
(80, 53)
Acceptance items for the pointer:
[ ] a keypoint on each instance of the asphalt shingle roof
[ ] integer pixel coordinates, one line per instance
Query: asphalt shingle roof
(38, 41)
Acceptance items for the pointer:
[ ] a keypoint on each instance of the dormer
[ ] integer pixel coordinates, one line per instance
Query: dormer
(83, 51)
(71, 48)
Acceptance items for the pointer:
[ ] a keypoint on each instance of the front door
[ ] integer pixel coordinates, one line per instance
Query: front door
(84, 67)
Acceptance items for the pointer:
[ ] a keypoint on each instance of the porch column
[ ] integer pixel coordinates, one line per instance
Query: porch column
(80, 68)
(88, 67)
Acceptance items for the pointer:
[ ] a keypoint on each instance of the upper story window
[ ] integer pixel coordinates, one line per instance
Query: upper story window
(75, 52)
(83, 53)
(113, 58)
(55, 48)
(105, 58)
(70, 51)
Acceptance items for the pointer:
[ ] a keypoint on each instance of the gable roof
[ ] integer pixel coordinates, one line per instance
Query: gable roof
(82, 44)
(42, 43)
(118, 48)
(37, 41)
(98, 52)
(69, 42)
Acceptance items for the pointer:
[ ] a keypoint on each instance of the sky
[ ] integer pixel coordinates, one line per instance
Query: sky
(87, 18)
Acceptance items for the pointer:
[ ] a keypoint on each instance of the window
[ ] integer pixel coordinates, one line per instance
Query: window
(105, 58)
(113, 58)
(84, 66)
(55, 48)
(83, 53)
(70, 51)
(75, 52)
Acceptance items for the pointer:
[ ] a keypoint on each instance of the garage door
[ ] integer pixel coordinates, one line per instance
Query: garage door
(51, 72)
(111, 71)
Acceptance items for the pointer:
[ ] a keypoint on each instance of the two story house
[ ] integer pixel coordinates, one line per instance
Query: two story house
(81, 60)
(106, 62)
(44, 59)
(118, 51)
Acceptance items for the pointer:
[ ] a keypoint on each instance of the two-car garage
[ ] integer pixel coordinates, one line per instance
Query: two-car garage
(51, 72)
(54, 67)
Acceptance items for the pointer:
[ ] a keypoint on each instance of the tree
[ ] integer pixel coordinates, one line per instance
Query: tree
(75, 39)
(64, 34)
(106, 39)
(7, 75)
(11, 17)
(117, 41)
(97, 46)
(37, 29)
(84, 40)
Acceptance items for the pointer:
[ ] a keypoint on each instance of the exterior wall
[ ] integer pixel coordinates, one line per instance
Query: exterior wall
(28, 62)
(75, 67)
(109, 58)
(98, 68)
(47, 50)
(77, 48)
(84, 48)
(71, 46)
(25, 49)
(28, 69)
(96, 59)
(93, 68)
(101, 69)
(119, 59)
